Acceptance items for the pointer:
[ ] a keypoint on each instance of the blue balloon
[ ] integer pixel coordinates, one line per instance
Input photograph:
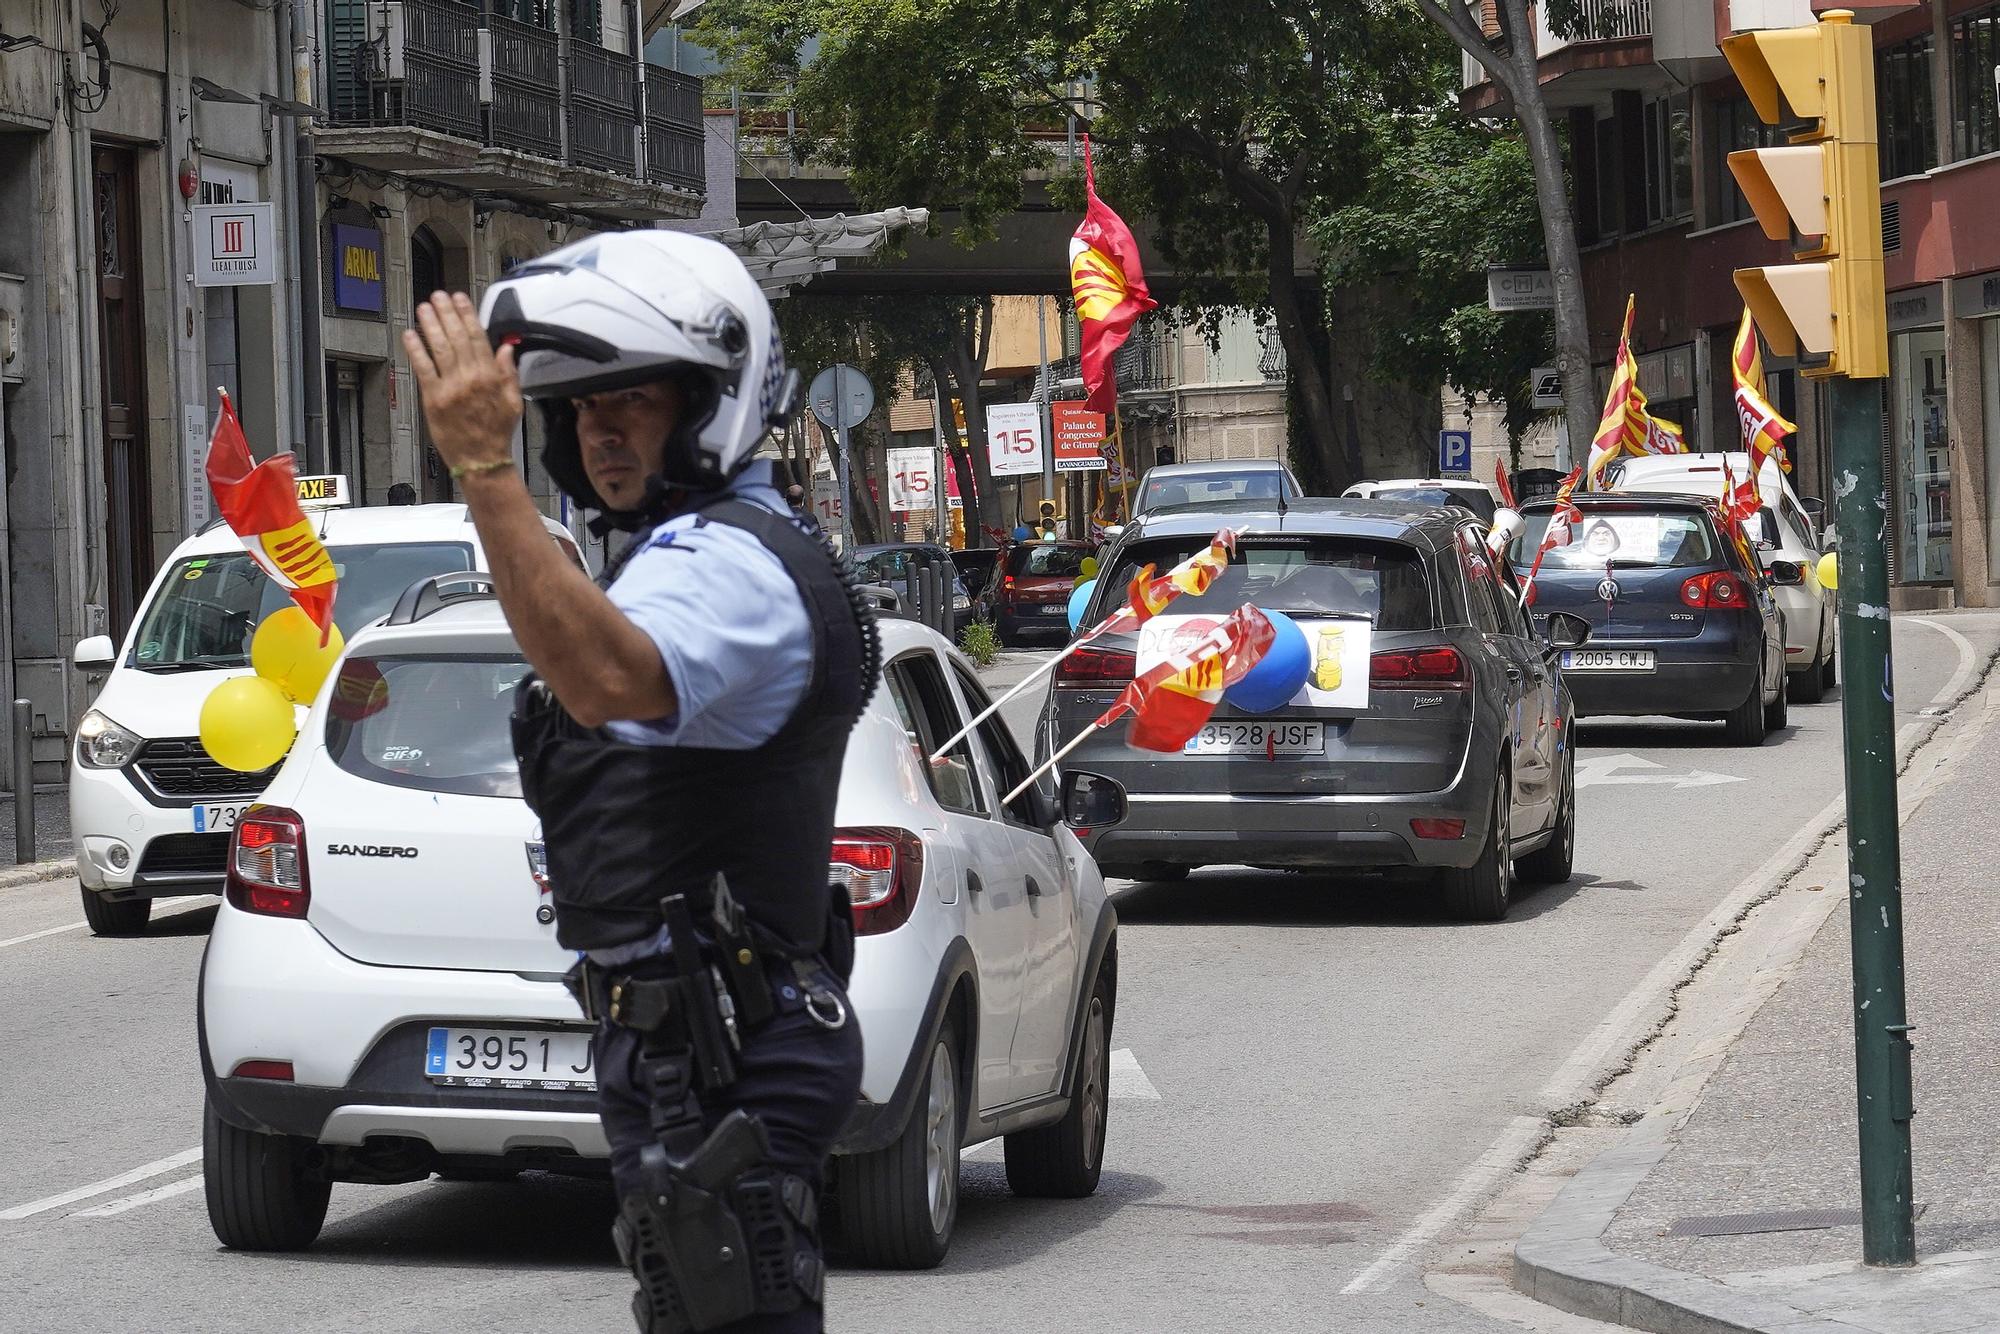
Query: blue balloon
(1021, 533)
(1279, 674)
(1079, 598)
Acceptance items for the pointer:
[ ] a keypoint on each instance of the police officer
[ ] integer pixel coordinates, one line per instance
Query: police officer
(681, 739)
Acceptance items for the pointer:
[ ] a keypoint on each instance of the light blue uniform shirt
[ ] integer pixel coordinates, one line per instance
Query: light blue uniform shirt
(728, 621)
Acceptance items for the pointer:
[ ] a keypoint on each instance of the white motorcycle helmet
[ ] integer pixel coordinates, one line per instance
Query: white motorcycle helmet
(630, 307)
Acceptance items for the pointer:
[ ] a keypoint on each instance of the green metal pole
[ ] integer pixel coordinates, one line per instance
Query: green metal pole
(1874, 857)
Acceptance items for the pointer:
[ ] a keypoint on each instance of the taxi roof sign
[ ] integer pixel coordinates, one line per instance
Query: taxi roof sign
(328, 492)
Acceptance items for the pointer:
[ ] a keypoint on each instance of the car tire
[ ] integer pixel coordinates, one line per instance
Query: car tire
(1166, 873)
(115, 917)
(1062, 1161)
(1778, 712)
(261, 1197)
(899, 1204)
(1744, 724)
(1483, 891)
(1829, 675)
(1552, 863)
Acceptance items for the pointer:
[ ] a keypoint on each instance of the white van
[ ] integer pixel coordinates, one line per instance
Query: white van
(150, 812)
(1787, 535)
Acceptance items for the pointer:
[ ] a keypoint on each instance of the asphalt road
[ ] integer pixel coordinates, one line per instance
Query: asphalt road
(1317, 1078)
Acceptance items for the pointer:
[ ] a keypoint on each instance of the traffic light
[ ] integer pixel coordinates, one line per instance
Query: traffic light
(1824, 184)
(1048, 511)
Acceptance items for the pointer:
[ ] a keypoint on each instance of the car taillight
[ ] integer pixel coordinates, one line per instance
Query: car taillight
(1438, 828)
(263, 1070)
(267, 863)
(882, 871)
(1096, 668)
(1418, 669)
(1720, 589)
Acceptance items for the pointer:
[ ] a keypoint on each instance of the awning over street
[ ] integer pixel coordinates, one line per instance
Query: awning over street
(784, 255)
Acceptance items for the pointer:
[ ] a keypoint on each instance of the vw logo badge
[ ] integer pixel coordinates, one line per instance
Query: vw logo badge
(1607, 589)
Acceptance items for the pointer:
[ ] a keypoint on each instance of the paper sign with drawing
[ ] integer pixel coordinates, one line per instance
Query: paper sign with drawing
(1339, 647)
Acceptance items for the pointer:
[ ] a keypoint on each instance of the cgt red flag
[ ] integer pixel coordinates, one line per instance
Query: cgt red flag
(1109, 286)
(260, 502)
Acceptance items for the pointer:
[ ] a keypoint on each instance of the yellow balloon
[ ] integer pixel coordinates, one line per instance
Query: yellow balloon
(247, 724)
(287, 653)
(1829, 571)
(1089, 567)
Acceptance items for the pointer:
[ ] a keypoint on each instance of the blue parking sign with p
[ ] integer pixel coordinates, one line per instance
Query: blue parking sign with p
(1454, 453)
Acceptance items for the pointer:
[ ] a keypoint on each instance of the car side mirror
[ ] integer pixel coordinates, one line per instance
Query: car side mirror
(1566, 631)
(95, 654)
(1785, 573)
(1091, 801)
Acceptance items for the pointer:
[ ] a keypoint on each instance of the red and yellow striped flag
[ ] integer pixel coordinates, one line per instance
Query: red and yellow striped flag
(1764, 431)
(1628, 425)
(260, 502)
(1150, 593)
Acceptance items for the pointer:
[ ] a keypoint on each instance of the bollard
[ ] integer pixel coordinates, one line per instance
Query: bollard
(24, 782)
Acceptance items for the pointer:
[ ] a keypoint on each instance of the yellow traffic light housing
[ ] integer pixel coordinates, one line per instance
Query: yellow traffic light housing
(1048, 509)
(1826, 185)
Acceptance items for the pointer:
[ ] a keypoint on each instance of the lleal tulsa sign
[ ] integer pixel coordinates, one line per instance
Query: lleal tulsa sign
(235, 245)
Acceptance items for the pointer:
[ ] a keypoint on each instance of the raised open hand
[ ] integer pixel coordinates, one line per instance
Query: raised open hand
(471, 393)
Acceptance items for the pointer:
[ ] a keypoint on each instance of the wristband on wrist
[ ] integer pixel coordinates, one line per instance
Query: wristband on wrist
(461, 470)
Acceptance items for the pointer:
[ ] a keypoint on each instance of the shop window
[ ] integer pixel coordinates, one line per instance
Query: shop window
(1923, 457)
(1733, 126)
(1906, 122)
(1669, 159)
(1975, 57)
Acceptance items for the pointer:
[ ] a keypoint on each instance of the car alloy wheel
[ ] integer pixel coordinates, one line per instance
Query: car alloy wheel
(941, 1130)
(1093, 1093)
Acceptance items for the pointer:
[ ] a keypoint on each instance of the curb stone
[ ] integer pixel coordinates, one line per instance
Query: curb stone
(1561, 1261)
(36, 873)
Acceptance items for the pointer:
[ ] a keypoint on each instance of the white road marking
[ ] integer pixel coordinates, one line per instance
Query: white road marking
(137, 1174)
(1968, 660)
(1610, 771)
(119, 1206)
(1127, 1079)
(199, 901)
(1515, 1143)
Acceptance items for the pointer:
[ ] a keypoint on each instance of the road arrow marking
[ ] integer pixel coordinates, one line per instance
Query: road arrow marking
(1127, 1079)
(1605, 771)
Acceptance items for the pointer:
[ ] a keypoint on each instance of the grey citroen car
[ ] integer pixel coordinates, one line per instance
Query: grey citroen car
(1434, 730)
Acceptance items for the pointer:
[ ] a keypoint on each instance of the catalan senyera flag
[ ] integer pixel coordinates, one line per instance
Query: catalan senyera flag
(1109, 286)
(260, 502)
(1150, 593)
(1506, 487)
(1562, 527)
(1171, 700)
(1740, 503)
(1628, 425)
(1764, 431)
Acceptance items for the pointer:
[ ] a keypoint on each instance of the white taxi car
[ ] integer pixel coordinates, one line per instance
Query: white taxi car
(381, 996)
(150, 811)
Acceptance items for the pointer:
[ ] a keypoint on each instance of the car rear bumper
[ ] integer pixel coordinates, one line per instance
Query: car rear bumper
(1305, 832)
(1028, 620)
(1672, 688)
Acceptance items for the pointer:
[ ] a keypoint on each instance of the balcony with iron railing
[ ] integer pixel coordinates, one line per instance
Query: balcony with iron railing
(452, 91)
(1601, 34)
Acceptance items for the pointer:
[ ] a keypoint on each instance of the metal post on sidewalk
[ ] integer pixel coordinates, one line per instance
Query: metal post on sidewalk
(1874, 852)
(24, 782)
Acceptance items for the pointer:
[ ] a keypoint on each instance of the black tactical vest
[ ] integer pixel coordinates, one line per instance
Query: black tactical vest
(626, 825)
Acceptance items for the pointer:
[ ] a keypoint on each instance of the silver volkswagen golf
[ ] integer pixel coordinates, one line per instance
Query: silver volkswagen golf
(1434, 730)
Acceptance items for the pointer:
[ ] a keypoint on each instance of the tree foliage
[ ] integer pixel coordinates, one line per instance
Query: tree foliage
(1448, 198)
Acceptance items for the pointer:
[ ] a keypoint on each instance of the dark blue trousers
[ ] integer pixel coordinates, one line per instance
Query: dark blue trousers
(797, 1077)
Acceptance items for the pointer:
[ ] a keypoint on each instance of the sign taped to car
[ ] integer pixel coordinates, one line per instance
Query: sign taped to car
(1340, 648)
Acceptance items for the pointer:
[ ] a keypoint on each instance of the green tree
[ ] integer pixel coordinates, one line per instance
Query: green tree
(1229, 122)
(1448, 198)
(1511, 61)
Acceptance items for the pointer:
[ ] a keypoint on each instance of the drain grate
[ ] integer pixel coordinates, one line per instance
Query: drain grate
(1784, 1220)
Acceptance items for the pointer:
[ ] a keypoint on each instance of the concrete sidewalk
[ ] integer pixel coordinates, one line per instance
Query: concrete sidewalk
(1700, 1220)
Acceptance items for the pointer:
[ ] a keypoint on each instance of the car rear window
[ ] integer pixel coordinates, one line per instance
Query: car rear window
(1477, 501)
(1320, 576)
(437, 724)
(1046, 561)
(1208, 488)
(1632, 537)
